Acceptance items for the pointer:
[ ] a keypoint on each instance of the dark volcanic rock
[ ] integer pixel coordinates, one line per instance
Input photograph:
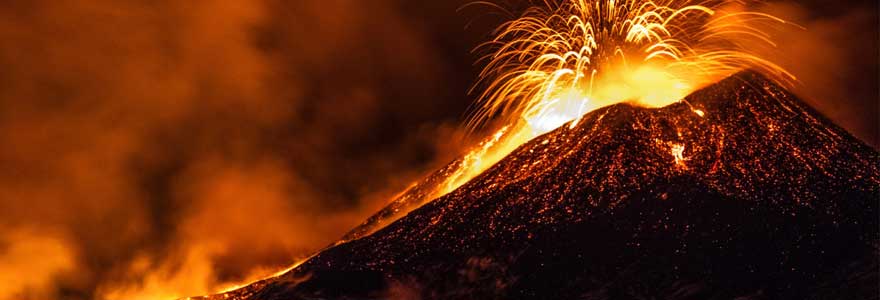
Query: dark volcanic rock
(760, 198)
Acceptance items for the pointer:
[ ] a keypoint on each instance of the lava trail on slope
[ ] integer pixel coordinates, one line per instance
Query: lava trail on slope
(741, 191)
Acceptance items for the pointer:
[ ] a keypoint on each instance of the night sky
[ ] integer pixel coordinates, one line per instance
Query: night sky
(151, 137)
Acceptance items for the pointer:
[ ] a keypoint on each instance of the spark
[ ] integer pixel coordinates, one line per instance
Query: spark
(678, 153)
(562, 59)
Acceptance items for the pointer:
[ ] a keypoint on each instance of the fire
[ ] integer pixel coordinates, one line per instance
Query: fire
(677, 151)
(562, 59)
(30, 260)
(196, 276)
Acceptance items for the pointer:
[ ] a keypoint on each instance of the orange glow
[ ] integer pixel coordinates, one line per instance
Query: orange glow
(221, 228)
(30, 260)
(194, 277)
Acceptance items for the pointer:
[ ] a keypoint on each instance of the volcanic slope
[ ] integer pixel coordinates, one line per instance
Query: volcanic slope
(739, 192)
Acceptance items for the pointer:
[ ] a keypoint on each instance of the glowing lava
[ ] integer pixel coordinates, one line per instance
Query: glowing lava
(678, 153)
(563, 59)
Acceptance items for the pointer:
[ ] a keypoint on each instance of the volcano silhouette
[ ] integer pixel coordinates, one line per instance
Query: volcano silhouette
(741, 191)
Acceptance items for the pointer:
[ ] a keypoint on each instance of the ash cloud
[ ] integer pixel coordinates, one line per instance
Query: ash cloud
(166, 148)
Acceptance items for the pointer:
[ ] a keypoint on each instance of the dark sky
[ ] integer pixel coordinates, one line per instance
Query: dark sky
(142, 138)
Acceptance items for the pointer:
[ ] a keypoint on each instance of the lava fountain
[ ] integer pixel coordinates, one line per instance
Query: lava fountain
(562, 59)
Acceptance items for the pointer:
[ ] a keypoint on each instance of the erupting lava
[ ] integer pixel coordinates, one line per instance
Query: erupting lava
(562, 59)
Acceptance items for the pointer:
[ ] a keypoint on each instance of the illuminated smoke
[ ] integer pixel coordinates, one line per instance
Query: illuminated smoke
(163, 149)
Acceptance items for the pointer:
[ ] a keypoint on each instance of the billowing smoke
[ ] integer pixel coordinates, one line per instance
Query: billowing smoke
(167, 148)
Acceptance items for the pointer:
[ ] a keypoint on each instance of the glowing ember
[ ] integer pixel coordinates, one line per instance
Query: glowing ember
(567, 58)
(678, 153)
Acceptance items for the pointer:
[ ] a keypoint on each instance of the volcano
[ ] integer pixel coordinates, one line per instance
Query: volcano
(740, 191)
